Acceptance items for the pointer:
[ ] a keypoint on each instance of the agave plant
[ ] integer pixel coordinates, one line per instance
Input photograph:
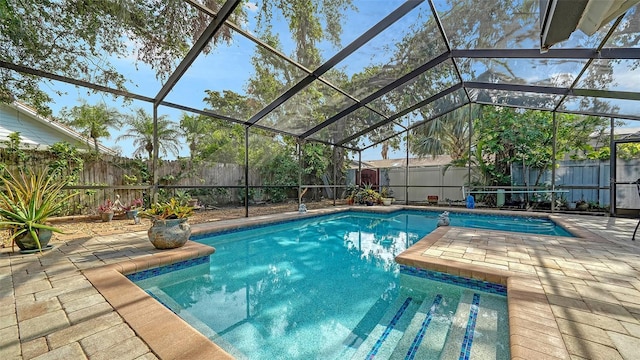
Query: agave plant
(27, 200)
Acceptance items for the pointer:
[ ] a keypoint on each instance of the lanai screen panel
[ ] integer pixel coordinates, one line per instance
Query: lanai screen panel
(490, 24)
(524, 99)
(402, 47)
(124, 68)
(423, 86)
(306, 109)
(627, 33)
(438, 107)
(348, 125)
(540, 72)
(234, 88)
(611, 75)
(602, 106)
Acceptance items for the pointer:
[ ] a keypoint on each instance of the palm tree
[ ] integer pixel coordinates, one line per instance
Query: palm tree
(93, 121)
(193, 129)
(141, 131)
(448, 134)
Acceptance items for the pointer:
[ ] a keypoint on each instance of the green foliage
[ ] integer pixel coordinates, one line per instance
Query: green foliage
(280, 170)
(171, 209)
(130, 179)
(27, 200)
(141, 132)
(506, 136)
(15, 154)
(93, 121)
(139, 171)
(628, 151)
(67, 163)
(182, 197)
(78, 38)
(448, 134)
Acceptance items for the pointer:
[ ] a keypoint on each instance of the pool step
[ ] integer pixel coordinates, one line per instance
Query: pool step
(366, 324)
(461, 332)
(384, 337)
(423, 332)
(486, 333)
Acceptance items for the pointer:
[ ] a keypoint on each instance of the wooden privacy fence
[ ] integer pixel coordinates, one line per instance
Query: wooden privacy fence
(106, 177)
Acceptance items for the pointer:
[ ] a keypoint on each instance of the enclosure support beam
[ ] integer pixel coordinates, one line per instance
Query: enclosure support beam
(299, 146)
(246, 172)
(335, 168)
(336, 59)
(553, 163)
(406, 171)
(154, 157)
(469, 125)
(612, 169)
(225, 11)
(359, 174)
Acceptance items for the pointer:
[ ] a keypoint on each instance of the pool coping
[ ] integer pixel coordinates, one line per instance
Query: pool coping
(158, 326)
(166, 334)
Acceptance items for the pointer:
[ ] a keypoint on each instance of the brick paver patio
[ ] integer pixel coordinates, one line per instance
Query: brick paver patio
(588, 292)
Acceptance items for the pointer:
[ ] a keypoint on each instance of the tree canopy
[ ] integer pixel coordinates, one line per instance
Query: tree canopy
(93, 121)
(77, 39)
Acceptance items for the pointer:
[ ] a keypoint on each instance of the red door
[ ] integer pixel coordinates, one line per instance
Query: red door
(370, 176)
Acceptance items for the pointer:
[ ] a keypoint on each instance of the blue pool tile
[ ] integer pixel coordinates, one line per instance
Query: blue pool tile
(465, 351)
(145, 274)
(387, 331)
(473, 284)
(413, 349)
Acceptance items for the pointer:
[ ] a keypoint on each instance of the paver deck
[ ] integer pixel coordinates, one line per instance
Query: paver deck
(575, 298)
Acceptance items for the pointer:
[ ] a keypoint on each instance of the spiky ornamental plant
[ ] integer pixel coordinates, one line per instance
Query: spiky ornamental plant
(27, 200)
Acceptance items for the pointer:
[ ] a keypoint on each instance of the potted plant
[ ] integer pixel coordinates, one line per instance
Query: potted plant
(27, 200)
(133, 208)
(372, 197)
(106, 210)
(582, 205)
(350, 193)
(385, 193)
(169, 227)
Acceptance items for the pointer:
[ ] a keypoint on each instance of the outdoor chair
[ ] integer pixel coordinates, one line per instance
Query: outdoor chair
(633, 238)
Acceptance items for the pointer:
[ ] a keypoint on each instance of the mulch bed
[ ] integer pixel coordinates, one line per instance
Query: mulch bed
(81, 227)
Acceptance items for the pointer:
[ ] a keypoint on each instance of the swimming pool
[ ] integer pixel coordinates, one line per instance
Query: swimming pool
(327, 287)
(523, 224)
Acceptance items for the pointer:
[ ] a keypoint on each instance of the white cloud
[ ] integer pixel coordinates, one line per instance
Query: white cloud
(251, 6)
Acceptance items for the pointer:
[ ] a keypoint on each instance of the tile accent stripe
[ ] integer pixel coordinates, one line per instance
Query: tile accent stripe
(473, 284)
(387, 331)
(145, 274)
(465, 351)
(413, 349)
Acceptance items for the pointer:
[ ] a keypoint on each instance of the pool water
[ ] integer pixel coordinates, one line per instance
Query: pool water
(520, 224)
(328, 288)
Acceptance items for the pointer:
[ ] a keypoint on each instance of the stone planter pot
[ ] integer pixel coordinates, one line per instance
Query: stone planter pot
(106, 216)
(387, 201)
(131, 214)
(26, 242)
(169, 234)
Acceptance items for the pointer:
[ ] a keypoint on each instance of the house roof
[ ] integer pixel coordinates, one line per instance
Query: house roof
(39, 132)
(400, 163)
